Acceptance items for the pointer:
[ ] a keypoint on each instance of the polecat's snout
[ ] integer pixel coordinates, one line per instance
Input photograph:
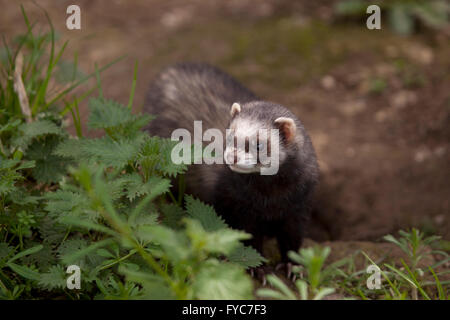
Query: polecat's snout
(259, 138)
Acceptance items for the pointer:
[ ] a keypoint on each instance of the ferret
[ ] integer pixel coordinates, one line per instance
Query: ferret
(276, 205)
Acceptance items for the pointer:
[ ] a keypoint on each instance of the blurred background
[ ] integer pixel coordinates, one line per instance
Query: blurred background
(375, 102)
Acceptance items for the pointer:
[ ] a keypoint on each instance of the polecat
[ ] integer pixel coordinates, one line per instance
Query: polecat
(263, 205)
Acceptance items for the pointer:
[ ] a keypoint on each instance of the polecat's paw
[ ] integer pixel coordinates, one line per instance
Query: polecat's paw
(259, 273)
(287, 268)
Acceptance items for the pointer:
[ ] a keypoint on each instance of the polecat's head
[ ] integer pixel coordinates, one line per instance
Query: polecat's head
(252, 144)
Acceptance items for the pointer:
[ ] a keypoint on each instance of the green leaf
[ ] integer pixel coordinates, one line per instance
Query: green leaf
(28, 131)
(62, 203)
(172, 215)
(115, 119)
(154, 286)
(103, 150)
(71, 256)
(49, 167)
(89, 225)
(401, 19)
(247, 257)
(281, 286)
(351, 7)
(24, 271)
(174, 244)
(26, 252)
(222, 281)
(323, 292)
(221, 241)
(155, 186)
(108, 114)
(155, 156)
(54, 278)
(5, 250)
(204, 213)
(435, 14)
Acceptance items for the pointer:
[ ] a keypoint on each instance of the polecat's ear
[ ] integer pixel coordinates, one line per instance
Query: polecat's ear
(235, 109)
(287, 128)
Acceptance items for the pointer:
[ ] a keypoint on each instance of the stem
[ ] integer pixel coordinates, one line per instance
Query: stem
(181, 187)
(117, 261)
(5, 289)
(66, 235)
(172, 197)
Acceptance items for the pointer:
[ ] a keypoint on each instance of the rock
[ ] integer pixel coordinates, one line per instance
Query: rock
(176, 17)
(402, 99)
(328, 82)
(352, 108)
(422, 155)
(419, 53)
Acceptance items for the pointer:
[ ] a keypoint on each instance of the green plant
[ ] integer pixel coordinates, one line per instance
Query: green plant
(417, 247)
(311, 262)
(104, 204)
(408, 280)
(403, 15)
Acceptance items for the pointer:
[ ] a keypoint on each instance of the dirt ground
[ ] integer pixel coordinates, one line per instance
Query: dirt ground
(377, 105)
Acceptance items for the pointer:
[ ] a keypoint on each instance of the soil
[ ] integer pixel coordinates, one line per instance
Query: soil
(377, 105)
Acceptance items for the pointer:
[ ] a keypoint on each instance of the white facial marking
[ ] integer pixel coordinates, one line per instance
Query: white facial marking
(243, 148)
(235, 108)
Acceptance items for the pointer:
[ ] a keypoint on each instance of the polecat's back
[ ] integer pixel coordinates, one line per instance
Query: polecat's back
(188, 92)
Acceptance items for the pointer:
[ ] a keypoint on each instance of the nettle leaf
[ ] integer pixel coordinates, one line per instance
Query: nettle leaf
(104, 150)
(54, 278)
(44, 258)
(204, 213)
(8, 164)
(9, 174)
(108, 114)
(116, 119)
(86, 255)
(69, 247)
(172, 215)
(8, 179)
(155, 186)
(51, 231)
(155, 155)
(145, 220)
(175, 245)
(11, 125)
(69, 148)
(222, 241)
(222, 281)
(49, 167)
(154, 286)
(21, 196)
(247, 257)
(64, 202)
(28, 131)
